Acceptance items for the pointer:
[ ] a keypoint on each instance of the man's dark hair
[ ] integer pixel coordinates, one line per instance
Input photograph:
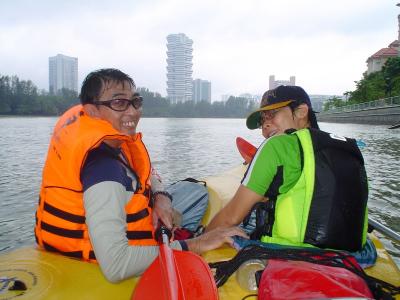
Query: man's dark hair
(94, 83)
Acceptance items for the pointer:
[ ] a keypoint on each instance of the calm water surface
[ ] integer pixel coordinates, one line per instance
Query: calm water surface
(179, 148)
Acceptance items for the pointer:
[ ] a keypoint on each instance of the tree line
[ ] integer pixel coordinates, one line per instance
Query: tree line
(22, 97)
(154, 105)
(374, 86)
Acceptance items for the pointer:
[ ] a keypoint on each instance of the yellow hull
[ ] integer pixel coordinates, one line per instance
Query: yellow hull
(52, 276)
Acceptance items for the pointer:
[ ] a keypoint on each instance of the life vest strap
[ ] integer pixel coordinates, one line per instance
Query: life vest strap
(74, 254)
(63, 214)
(69, 233)
(137, 216)
(139, 235)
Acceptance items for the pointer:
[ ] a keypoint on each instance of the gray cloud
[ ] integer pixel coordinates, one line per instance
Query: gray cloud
(237, 44)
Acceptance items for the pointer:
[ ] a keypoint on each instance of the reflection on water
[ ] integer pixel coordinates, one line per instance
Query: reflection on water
(179, 148)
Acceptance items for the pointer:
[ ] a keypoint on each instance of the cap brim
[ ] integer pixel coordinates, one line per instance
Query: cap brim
(253, 120)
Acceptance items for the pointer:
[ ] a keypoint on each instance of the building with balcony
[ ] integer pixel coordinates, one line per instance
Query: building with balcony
(179, 68)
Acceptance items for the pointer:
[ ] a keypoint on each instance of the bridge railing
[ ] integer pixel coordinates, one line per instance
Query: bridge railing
(391, 101)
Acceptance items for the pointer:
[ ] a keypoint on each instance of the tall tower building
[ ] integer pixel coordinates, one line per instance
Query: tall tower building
(201, 90)
(63, 73)
(179, 68)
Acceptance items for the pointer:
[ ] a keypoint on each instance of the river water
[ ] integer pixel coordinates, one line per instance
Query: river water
(180, 148)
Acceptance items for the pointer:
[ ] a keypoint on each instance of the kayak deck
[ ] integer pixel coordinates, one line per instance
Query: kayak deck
(52, 276)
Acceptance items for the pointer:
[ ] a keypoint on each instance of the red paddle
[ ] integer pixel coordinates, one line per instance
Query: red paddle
(175, 275)
(247, 150)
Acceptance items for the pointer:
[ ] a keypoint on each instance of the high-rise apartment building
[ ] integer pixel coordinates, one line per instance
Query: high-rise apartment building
(275, 83)
(63, 73)
(179, 68)
(201, 90)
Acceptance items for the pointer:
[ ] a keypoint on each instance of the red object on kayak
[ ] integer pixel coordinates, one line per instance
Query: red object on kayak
(192, 279)
(283, 280)
(247, 150)
(176, 275)
(181, 234)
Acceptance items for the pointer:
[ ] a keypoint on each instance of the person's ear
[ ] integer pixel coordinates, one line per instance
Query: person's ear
(301, 111)
(91, 110)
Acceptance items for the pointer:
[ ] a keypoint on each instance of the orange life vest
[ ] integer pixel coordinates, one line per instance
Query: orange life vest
(60, 216)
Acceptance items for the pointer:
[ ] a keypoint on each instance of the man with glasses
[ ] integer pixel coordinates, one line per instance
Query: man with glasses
(99, 200)
(309, 186)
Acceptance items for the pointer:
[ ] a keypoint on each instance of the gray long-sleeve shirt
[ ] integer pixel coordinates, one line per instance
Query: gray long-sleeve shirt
(108, 187)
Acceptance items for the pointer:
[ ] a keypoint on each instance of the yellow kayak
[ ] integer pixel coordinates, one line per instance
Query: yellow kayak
(52, 276)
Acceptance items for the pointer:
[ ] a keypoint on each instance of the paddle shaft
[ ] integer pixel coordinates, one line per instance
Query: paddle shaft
(384, 230)
(168, 269)
(175, 275)
(247, 151)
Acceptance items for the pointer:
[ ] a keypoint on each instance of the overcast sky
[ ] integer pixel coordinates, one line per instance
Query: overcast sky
(237, 44)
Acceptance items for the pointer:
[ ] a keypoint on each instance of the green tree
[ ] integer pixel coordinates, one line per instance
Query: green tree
(333, 103)
(21, 97)
(378, 85)
(391, 75)
(236, 107)
(154, 105)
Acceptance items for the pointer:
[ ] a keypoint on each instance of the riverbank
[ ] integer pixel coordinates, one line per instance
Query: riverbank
(359, 114)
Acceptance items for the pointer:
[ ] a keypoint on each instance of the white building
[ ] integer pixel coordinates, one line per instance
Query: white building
(201, 90)
(63, 73)
(179, 68)
(376, 61)
(275, 83)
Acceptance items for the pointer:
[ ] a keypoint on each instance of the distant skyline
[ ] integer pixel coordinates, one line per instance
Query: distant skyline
(236, 45)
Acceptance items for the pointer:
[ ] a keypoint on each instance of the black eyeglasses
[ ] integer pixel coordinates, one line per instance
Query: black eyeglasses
(269, 114)
(122, 104)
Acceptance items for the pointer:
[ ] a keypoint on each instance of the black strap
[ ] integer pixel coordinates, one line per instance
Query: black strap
(224, 269)
(139, 235)
(69, 233)
(74, 254)
(137, 216)
(63, 214)
(265, 218)
(190, 179)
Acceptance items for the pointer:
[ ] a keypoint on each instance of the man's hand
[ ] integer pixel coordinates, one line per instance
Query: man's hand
(163, 210)
(214, 239)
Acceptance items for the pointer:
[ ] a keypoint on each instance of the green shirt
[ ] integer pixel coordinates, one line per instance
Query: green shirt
(282, 150)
